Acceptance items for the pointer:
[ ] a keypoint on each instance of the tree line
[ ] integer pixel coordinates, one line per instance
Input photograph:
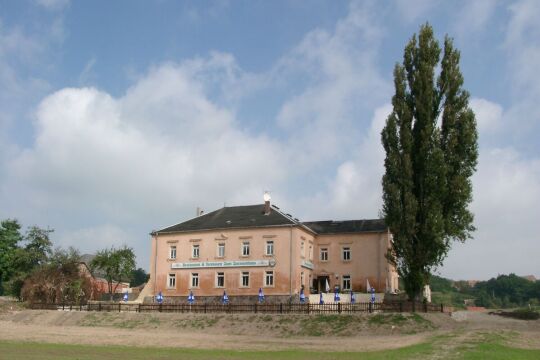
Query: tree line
(32, 269)
(504, 291)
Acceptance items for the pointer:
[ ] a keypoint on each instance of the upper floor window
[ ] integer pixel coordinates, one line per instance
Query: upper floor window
(324, 254)
(172, 252)
(245, 248)
(310, 256)
(346, 253)
(171, 281)
(195, 251)
(270, 247)
(302, 249)
(221, 250)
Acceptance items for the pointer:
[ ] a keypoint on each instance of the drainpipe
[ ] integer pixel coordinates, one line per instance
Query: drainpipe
(290, 263)
(155, 264)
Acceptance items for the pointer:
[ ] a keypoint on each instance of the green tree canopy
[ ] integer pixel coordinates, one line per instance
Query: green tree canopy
(430, 140)
(117, 264)
(10, 236)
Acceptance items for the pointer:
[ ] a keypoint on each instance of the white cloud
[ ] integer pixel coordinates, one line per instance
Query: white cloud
(54, 4)
(473, 17)
(488, 115)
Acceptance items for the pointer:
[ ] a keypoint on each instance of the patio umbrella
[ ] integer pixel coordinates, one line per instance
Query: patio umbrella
(261, 295)
(321, 301)
(302, 296)
(159, 297)
(225, 298)
(191, 298)
(336, 295)
(353, 297)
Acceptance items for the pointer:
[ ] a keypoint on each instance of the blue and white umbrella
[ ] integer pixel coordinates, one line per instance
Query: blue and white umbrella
(225, 298)
(191, 298)
(159, 297)
(336, 295)
(372, 295)
(261, 295)
(321, 301)
(125, 297)
(302, 296)
(353, 297)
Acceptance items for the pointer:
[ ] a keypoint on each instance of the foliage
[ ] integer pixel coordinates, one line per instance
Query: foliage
(440, 284)
(427, 186)
(59, 280)
(10, 236)
(138, 277)
(522, 314)
(117, 264)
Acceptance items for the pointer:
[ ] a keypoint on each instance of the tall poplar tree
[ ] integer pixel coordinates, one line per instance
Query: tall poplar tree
(430, 140)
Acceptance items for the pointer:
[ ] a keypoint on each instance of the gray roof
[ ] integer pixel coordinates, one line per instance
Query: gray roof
(346, 226)
(233, 217)
(250, 216)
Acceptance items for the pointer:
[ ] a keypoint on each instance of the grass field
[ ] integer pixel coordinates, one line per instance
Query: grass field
(485, 346)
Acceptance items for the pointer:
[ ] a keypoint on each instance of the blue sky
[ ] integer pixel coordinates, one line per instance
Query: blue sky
(117, 118)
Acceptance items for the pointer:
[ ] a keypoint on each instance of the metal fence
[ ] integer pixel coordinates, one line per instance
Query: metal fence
(283, 308)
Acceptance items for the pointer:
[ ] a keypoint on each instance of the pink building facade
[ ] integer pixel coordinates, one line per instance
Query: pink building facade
(242, 249)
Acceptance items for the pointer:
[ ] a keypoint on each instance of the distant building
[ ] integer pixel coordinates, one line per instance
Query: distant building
(242, 249)
(530, 278)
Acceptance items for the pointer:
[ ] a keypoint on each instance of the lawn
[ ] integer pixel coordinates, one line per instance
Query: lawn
(490, 349)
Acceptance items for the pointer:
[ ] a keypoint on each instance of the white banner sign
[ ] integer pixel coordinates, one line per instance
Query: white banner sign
(219, 264)
(307, 264)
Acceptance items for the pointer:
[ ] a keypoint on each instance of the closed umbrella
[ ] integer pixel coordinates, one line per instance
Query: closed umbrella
(372, 295)
(336, 295)
(302, 296)
(353, 297)
(261, 295)
(125, 297)
(321, 301)
(191, 298)
(225, 298)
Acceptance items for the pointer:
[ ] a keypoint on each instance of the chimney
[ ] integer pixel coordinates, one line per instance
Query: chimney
(199, 211)
(266, 198)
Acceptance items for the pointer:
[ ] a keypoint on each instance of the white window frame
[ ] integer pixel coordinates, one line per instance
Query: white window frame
(345, 250)
(172, 252)
(195, 251)
(348, 279)
(245, 250)
(194, 280)
(221, 250)
(269, 275)
(171, 281)
(218, 275)
(310, 257)
(325, 252)
(302, 249)
(244, 275)
(269, 247)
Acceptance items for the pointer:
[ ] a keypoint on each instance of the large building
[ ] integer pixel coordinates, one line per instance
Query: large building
(242, 249)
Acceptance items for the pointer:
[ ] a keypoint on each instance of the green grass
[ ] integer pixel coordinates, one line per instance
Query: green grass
(481, 345)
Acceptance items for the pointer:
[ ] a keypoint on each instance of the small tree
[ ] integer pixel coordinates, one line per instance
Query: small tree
(427, 186)
(117, 264)
(10, 236)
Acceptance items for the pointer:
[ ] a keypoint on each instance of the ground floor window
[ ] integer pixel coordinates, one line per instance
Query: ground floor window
(269, 278)
(245, 279)
(171, 281)
(195, 280)
(220, 279)
(346, 284)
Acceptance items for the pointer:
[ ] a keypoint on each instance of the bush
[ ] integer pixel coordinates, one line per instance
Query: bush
(522, 314)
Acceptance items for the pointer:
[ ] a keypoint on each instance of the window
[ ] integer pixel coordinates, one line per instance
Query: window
(195, 252)
(269, 278)
(270, 247)
(245, 248)
(171, 281)
(346, 253)
(220, 279)
(302, 279)
(310, 252)
(346, 282)
(221, 250)
(302, 249)
(324, 254)
(172, 252)
(194, 280)
(245, 279)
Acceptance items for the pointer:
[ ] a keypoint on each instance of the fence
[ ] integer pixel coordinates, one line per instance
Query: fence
(283, 308)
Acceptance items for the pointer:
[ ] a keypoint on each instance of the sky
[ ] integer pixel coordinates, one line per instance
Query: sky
(121, 117)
